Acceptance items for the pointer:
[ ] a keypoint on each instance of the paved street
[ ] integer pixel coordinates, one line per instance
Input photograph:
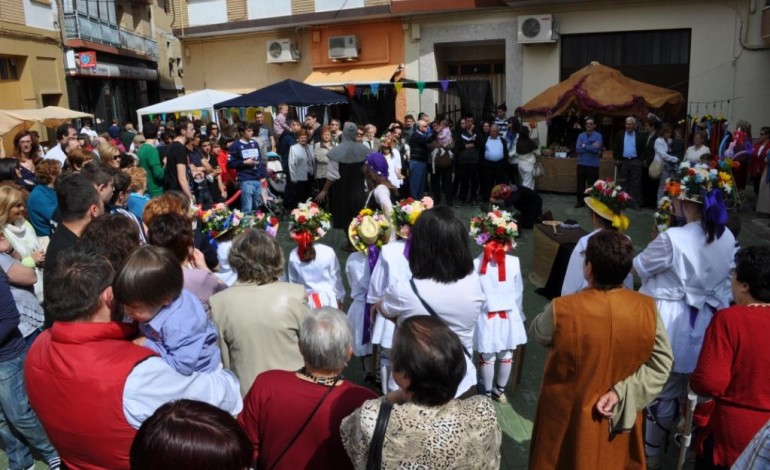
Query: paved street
(517, 416)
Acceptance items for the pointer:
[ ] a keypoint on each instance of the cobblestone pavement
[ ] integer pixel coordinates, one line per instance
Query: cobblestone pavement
(516, 417)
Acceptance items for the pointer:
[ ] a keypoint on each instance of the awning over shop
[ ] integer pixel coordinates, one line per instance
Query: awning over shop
(351, 76)
(600, 89)
(16, 120)
(107, 70)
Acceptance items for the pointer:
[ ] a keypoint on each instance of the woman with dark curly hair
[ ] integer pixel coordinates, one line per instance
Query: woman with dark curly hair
(112, 236)
(254, 340)
(427, 427)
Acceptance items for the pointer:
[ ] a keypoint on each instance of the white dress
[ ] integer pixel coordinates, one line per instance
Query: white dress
(679, 270)
(357, 271)
(495, 333)
(225, 272)
(321, 277)
(458, 304)
(392, 267)
(574, 280)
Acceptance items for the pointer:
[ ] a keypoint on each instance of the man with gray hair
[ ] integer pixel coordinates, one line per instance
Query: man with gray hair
(628, 152)
(293, 418)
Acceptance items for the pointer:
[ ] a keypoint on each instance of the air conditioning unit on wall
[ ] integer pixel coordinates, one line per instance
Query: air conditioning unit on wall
(280, 51)
(343, 47)
(534, 29)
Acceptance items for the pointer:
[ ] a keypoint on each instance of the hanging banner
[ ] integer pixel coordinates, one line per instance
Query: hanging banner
(421, 87)
(398, 86)
(444, 85)
(205, 114)
(351, 89)
(375, 88)
(163, 117)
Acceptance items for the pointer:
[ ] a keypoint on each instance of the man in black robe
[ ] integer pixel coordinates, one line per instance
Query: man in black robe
(345, 184)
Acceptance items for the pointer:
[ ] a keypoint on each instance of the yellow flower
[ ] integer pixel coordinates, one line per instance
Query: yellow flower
(366, 212)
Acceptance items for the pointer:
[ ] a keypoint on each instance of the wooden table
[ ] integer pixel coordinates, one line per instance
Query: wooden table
(550, 257)
(561, 174)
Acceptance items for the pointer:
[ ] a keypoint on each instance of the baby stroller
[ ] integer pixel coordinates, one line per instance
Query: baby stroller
(275, 187)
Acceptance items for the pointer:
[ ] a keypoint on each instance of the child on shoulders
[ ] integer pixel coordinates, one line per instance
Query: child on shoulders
(172, 320)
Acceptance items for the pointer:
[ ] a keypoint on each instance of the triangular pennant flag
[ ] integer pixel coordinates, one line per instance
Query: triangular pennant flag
(205, 115)
(359, 91)
(242, 113)
(151, 116)
(375, 87)
(398, 86)
(421, 87)
(163, 117)
(444, 85)
(351, 89)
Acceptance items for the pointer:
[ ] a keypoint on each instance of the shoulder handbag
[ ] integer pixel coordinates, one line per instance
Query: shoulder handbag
(537, 169)
(302, 428)
(656, 168)
(374, 459)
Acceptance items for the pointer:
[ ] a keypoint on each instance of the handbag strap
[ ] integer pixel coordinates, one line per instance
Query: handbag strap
(374, 458)
(302, 428)
(433, 313)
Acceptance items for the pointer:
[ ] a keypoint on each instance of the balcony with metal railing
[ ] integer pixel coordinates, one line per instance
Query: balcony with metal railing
(78, 25)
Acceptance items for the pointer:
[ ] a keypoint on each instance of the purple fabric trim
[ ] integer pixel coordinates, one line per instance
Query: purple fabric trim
(714, 210)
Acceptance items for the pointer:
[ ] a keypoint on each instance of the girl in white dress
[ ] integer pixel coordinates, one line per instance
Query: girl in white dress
(311, 264)
(392, 267)
(606, 214)
(368, 232)
(500, 324)
(222, 225)
(685, 269)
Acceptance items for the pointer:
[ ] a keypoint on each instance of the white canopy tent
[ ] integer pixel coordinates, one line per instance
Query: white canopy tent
(203, 100)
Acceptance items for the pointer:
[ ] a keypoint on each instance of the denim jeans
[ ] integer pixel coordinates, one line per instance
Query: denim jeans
(18, 420)
(250, 196)
(418, 172)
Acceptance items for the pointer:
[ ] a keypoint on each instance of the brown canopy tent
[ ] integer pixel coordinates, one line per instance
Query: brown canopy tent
(600, 89)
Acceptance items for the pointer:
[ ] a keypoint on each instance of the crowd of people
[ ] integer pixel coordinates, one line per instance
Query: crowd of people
(176, 331)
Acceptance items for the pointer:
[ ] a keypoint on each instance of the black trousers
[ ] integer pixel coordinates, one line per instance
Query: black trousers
(441, 183)
(492, 174)
(467, 178)
(631, 171)
(586, 176)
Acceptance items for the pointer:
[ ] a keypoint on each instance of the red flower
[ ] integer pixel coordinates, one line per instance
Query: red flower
(500, 231)
(691, 172)
(301, 219)
(409, 200)
(313, 204)
(273, 221)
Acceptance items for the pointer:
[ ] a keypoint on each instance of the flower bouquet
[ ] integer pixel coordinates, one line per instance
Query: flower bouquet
(496, 231)
(406, 212)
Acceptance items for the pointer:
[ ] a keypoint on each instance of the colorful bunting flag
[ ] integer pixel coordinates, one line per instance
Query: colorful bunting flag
(421, 87)
(375, 88)
(351, 89)
(444, 85)
(398, 86)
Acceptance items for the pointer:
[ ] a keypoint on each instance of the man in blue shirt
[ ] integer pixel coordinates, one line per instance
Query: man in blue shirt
(628, 152)
(589, 149)
(250, 167)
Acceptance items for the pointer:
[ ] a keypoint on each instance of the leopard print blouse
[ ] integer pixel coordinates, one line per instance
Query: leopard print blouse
(461, 434)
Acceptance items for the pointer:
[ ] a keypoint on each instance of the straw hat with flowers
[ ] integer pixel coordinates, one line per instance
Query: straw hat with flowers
(369, 229)
(608, 200)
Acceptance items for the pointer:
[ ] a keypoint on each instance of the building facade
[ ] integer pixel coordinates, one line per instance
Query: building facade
(31, 65)
(714, 52)
(111, 57)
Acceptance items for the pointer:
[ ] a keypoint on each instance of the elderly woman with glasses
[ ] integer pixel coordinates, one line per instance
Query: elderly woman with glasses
(293, 417)
(733, 367)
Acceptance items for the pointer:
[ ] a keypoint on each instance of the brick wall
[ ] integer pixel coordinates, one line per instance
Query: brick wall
(12, 11)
